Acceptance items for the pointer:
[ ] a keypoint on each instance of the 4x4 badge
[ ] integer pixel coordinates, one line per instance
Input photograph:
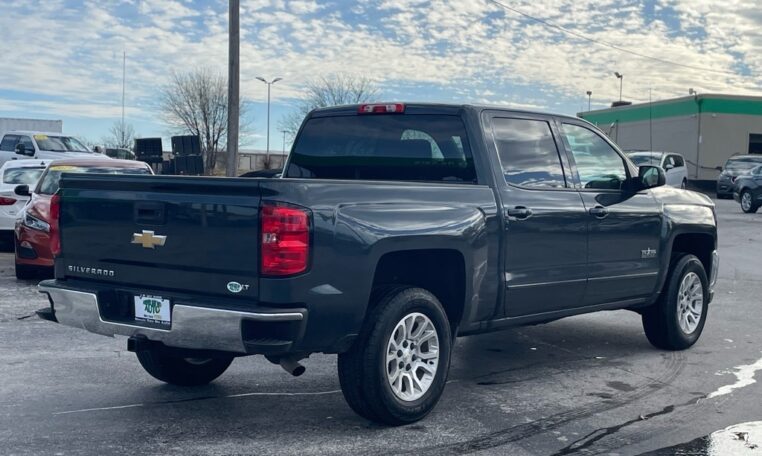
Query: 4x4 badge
(148, 239)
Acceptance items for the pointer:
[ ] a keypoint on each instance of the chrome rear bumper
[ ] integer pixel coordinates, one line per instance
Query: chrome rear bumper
(192, 327)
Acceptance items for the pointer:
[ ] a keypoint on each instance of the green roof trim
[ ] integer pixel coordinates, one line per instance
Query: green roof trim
(680, 107)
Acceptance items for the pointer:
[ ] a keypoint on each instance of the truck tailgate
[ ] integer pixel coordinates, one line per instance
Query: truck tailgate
(185, 234)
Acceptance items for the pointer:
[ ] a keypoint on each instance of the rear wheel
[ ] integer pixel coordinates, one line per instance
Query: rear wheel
(677, 319)
(747, 202)
(182, 371)
(396, 371)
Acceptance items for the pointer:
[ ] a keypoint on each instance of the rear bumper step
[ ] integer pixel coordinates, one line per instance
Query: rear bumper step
(193, 327)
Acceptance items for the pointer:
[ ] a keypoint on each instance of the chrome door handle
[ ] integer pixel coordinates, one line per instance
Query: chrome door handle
(599, 212)
(519, 212)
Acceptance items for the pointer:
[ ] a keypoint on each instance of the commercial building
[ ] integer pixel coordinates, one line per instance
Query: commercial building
(706, 129)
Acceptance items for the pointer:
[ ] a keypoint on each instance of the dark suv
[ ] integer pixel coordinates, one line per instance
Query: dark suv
(734, 167)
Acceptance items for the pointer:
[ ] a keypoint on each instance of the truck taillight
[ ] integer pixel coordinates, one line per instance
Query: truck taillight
(285, 240)
(55, 234)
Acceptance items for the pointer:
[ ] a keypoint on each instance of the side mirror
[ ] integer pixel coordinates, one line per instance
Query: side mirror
(21, 150)
(718, 168)
(668, 166)
(651, 176)
(22, 190)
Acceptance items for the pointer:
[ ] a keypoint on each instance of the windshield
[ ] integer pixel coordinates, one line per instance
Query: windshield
(22, 176)
(49, 183)
(383, 147)
(645, 159)
(742, 164)
(59, 144)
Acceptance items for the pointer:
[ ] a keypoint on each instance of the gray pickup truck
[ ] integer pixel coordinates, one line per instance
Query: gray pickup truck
(394, 229)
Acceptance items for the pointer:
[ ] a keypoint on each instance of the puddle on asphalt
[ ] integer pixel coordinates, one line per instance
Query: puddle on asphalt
(737, 440)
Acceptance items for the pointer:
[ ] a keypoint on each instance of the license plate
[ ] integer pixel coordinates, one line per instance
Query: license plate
(153, 309)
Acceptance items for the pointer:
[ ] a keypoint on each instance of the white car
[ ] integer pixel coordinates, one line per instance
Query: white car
(18, 145)
(13, 173)
(673, 165)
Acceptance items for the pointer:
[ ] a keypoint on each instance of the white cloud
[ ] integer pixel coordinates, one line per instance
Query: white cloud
(473, 50)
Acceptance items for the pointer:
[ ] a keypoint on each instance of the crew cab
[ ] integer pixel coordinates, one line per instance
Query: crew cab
(18, 145)
(393, 229)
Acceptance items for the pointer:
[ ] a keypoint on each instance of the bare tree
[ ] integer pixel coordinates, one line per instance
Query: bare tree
(195, 103)
(333, 90)
(121, 136)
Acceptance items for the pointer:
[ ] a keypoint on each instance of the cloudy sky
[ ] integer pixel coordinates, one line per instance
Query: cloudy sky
(61, 59)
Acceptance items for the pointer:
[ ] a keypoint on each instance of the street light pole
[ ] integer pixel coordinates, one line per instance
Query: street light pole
(284, 141)
(621, 80)
(231, 168)
(269, 84)
(589, 99)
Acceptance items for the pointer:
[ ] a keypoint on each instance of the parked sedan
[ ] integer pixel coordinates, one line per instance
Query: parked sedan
(747, 190)
(734, 167)
(673, 165)
(34, 252)
(13, 173)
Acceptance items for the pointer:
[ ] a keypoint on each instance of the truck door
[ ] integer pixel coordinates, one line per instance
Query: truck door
(623, 227)
(545, 239)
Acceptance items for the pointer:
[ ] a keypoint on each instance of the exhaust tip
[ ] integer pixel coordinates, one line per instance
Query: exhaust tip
(292, 366)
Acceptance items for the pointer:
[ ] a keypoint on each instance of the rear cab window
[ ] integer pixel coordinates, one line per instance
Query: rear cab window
(396, 147)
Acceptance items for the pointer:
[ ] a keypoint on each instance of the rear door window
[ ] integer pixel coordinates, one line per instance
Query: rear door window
(8, 143)
(429, 148)
(528, 153)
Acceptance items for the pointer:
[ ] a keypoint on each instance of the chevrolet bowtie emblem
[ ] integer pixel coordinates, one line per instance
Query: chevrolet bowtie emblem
(148, 239)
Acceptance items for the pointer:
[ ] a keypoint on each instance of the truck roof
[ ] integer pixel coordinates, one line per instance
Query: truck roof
(438, 108)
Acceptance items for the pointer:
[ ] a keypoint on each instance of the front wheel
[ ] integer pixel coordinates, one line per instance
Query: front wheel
(747, 202)
(677, 319)
(181, 371)
(396, 371)
(684, 184)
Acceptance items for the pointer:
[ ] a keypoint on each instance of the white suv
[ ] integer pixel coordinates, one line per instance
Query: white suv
(18, 145)
(673, 165)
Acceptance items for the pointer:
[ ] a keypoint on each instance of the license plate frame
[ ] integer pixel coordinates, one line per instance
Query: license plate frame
(152, 310)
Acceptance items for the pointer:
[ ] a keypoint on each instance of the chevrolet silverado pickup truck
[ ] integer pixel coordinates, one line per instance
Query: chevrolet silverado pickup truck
(394, 229)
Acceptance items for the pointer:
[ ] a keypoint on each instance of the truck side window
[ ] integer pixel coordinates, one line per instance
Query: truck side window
(27, 142)
(9, 143)
(599, 166)
(528, 154)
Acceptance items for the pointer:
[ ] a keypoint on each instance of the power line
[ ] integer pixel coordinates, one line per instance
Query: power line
(606, 44)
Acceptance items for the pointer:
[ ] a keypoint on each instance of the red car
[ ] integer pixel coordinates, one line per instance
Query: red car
(36, 237)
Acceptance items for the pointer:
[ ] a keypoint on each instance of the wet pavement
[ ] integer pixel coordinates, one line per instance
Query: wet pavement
(584, 385)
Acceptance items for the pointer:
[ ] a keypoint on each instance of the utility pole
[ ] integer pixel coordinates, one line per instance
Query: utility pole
(124, 78)
(233, 86)
(284, 141)
(589, 99)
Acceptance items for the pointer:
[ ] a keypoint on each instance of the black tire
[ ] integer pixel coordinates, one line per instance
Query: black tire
(660, 321)
(180, 371)
(753, 207)
(363, 369)
(684, 184)
(25, 272)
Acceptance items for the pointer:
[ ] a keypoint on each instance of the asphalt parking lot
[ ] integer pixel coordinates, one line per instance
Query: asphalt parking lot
(584, 385)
